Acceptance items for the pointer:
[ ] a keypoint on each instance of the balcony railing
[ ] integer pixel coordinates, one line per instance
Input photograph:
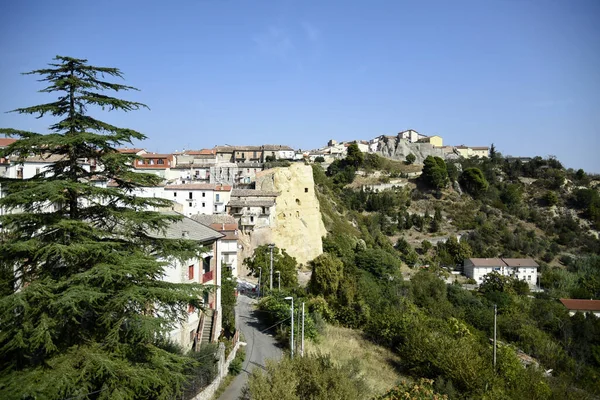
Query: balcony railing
(207, 276)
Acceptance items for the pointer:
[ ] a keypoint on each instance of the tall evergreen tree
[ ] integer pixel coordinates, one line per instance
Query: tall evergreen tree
(84, 312)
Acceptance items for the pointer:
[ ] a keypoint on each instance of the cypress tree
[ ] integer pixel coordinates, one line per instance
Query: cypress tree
(83, 310)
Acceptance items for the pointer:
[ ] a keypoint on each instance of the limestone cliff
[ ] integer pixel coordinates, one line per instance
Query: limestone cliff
(397, 148)
(298, 224)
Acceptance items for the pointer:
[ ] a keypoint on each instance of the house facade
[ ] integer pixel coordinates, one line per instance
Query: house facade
(205, 268)
(199, 198)
(252, 209)
(525, 269)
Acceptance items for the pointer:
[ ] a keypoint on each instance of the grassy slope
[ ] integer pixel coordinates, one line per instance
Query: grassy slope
(376, 363)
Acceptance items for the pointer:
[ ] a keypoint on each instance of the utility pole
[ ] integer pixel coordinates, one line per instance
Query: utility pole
(292, 338)
(271, 273)
(495, 314)
(302, 342)
(278, 280)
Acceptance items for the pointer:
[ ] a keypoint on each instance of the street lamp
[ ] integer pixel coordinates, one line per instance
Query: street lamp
(292, 338)
(278, 280)
(271, 246)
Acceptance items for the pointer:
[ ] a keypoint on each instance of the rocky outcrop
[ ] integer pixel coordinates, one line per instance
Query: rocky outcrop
(397, 148)
(298, 226)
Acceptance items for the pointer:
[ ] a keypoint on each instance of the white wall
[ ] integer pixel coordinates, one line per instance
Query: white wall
(202, 201)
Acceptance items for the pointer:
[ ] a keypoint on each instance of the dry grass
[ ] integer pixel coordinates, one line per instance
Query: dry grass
(375, 362)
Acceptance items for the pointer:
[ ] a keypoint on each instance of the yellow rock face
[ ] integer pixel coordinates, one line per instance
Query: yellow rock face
(298, 224)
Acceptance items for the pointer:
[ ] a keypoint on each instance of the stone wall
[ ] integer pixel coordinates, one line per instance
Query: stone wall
(298, 224)
(223, 370)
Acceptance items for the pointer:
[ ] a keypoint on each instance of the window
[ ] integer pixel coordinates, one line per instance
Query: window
(190, 203)
(190, 195)
(160, 161)
(203, 194)
(19, 173)
(191, 272)
(528, 277)
(206, 264)
(37, 171)
(251, 219)
(305, 190)
(254, 154)
(203, 204)
(216, 209)
(217, 197)
(248, 170)
(174, 194)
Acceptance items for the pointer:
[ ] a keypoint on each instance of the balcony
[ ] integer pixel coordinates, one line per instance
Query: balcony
(207, 276)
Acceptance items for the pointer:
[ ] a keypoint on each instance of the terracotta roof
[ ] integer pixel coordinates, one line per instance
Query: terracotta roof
(581, 305)
(224, 227)
(487, 262)
(155, 155)
(480, 148)
(520, 262)
(6, 141)
(272, 147)
(129, 151)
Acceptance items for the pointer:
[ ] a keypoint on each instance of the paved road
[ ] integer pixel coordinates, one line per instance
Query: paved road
(260, 346)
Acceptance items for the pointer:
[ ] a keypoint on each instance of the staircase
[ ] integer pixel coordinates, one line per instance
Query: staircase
(208, 324)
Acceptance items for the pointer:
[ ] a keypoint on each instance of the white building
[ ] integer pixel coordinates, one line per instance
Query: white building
(525, 269)
(252, 208)
(199, 198)
(205, 268)
(583, 306)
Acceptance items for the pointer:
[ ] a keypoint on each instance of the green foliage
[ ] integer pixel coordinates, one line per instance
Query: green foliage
(319, 159)
(473, 181)
(378, 262)
(354, 157)
(310, 377)
(453, 252)
(83, 307)
(282, 262)
(410, 159)
(228, 300)
(327, 272)
(550, 198)
(435, 173)
(422, 390)
(236, 365)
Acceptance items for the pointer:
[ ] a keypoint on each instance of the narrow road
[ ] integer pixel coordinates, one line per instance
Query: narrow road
(260, 346)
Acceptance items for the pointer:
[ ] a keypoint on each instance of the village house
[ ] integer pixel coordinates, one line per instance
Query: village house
(158, 164)
(252, 208)
(199, 198)
(469, 152)
(583, 306)
(525, 269)
(205, 268)
(434, 140)
(229, 243)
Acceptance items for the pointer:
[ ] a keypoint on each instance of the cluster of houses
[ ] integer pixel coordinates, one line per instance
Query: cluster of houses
(213, 190)
(337, 150)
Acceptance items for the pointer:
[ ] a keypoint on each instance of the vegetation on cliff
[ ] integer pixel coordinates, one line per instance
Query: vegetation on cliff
(441, 331)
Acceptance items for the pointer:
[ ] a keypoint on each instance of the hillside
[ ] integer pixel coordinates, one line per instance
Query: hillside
(422, 229)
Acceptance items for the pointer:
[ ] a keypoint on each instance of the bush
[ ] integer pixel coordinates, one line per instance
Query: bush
(410, 159)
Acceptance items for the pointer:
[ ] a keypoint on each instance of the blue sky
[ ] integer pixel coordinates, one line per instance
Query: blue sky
(522, 74)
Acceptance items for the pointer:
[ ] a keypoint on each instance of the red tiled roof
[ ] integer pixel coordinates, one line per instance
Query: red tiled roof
(224, 227)
(520, 262)
(203, 152)
(581, 305)
(6, 141)
(129, 151)
(155, 155)
(487, 262)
